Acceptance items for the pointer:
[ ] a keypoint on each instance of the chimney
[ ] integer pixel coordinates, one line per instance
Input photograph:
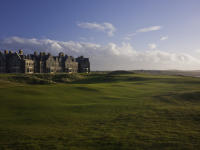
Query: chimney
(61, 54)
(6, 52)
(20, 52)
(35, 53)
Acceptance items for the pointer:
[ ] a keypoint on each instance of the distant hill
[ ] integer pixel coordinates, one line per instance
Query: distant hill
(194, 73)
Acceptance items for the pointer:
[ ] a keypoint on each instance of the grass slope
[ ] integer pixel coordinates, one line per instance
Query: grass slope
(99, 111)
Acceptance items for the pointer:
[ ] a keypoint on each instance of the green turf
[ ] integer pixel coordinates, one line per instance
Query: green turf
(99, 112)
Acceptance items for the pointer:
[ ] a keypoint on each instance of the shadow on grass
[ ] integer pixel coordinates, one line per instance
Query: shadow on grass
(189, 96)
(109, 78)
(87, 89)
(180, 98)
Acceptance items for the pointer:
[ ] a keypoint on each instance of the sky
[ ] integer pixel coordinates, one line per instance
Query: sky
(114, 34)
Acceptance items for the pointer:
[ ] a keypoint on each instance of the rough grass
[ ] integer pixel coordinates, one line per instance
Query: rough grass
(42, 78)
(99, 111)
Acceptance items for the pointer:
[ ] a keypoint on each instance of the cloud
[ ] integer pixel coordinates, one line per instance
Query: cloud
(106, 57)
(152, 46)
(197, 51)
(164, 38)
(128, 37)
(149, 29)
(105, 27)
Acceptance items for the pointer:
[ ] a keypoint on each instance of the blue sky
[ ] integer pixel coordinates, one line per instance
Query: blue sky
(164, 26)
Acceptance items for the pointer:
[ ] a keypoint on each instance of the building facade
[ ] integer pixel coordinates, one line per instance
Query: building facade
(17, 62)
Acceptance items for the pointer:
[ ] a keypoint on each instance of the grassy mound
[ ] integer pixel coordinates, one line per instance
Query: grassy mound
(41, 78)
(120, 72)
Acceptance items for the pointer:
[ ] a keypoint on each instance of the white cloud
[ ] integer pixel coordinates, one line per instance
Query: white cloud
(149, 29)
(106, 57)
(164, 38)
(105, 27)
(197, 51)
(128, 37)
(152, 46)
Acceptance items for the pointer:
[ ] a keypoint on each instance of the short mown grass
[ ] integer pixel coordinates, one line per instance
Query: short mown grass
(99, 112)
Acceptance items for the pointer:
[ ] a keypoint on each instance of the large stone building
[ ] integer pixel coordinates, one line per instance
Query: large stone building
(17, 62)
